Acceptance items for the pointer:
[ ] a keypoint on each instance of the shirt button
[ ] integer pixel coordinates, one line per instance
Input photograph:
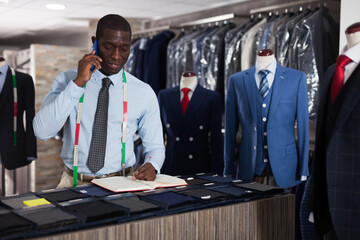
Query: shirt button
(265, 147)
(254, 147)
(201, 127)
(190, 156)
(264, 119)
(264, 105)
(266, 160)
(265, 133)
(177, 139)
(191, 139)
(168, 125)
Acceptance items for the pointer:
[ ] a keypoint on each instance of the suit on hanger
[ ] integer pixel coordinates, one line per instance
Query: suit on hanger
(188, 149)
(13, 157)
(336, 168)
(155, 60)
(288, 160)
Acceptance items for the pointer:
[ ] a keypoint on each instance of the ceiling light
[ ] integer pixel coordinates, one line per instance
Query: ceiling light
(55, 6)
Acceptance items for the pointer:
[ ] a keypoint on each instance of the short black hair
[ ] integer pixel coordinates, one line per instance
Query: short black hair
(113, 22)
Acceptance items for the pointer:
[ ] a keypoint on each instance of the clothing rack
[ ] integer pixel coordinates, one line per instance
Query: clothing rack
(209, 20)
(215, 19)
(286, 6)
(154, 30)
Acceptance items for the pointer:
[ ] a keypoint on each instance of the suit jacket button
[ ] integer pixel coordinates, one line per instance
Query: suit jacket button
(254, 147)
(168, 125)
(266, 160)
(265, 147)
(190, 156)
(177, 139)
(255, 129)
(191, 139)
(201, 127)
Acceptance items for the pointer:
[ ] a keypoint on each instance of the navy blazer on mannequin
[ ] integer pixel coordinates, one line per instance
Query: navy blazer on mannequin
(336, 167)
(188, 149)
(288, 159)
(17, 156)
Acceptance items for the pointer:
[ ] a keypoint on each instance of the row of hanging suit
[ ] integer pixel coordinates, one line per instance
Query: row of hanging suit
(306, 40)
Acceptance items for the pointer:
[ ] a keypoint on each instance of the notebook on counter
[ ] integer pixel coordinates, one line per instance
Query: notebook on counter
(126, 184)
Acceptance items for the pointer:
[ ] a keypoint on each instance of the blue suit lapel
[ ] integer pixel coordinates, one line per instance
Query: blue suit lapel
(277, 89)
(250, 87)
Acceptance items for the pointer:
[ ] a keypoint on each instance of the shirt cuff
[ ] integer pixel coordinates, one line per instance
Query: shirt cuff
(74, 91)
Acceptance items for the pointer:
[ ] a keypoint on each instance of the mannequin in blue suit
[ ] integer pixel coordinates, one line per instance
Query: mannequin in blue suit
(189, 149)
(267, 124)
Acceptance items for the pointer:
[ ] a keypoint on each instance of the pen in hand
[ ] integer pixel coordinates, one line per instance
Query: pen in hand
(145, 172)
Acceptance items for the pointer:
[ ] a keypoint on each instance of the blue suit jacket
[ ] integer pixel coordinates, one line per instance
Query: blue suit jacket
(289, 103)
(188, 149)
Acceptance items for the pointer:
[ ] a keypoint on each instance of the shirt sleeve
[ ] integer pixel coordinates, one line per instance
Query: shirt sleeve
(57, 106)
(151, 133)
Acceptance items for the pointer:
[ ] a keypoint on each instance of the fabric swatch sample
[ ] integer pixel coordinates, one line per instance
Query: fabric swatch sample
(49, 217)
(96, 210)
(135, 204)
(16, 202)
(63, 195)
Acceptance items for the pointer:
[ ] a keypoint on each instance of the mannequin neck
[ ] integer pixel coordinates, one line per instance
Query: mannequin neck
(352, 39)
(187, 81)
(265, 61)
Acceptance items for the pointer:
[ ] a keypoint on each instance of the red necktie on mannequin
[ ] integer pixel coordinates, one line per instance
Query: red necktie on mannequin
(185, 100)
(338, 78)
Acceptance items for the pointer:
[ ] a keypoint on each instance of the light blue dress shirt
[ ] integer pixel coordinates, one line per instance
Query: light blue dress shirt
(3, 72)
(270, 77)
(60, 107)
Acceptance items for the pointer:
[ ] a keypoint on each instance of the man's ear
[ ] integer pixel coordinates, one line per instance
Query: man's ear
(93, 39)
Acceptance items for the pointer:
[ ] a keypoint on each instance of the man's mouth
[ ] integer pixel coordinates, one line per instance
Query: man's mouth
(114, 65)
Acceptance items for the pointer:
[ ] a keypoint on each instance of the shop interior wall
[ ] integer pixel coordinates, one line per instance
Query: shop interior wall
(349, 15)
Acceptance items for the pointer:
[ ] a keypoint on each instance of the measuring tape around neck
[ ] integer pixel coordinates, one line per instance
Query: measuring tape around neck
(15, 105)
(77, 131)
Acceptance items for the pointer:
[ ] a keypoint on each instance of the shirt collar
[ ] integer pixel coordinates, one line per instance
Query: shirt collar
(115, 78)
(3, 69)
(192, 86)
(271, 67)
(353, 53)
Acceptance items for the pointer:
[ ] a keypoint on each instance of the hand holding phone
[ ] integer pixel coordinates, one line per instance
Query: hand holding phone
(87, 66)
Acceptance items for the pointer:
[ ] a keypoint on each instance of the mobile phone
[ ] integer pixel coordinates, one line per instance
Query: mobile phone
(94, 48)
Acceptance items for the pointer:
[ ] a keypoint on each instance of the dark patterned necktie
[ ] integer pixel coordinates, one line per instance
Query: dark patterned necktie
(98, 140)
(264, 84)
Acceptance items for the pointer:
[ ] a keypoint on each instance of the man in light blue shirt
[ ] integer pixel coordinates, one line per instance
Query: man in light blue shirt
(61, 107)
